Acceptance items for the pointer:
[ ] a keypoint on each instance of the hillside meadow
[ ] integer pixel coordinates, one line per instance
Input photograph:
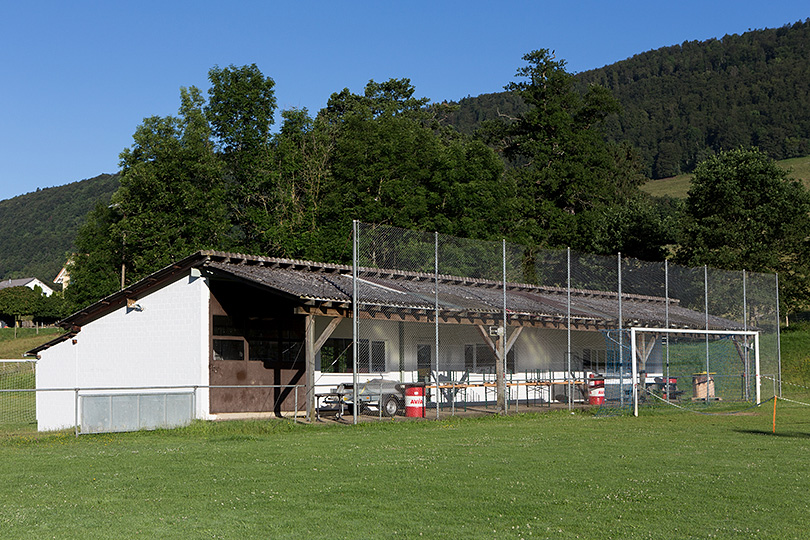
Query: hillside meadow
(678, 186)
(14, 345)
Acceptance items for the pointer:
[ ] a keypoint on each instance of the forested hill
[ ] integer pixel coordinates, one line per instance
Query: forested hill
(37, 229)
(683, 102)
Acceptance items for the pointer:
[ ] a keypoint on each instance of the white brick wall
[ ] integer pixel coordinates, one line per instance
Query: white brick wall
(166, 344)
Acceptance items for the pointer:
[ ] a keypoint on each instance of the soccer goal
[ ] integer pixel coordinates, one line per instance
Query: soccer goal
(17, 393)
(694, 368)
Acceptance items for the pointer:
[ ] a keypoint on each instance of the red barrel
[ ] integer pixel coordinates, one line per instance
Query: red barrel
(596, 390)
(672, 383)
(415, 402)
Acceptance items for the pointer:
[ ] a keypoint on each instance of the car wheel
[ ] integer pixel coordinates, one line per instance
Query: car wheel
(390, 406)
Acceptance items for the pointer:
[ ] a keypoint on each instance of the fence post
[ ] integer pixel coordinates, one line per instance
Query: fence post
(746, 354)
(436, 314)
(778, 339)
(666, 294)
(355, 312)
(502, 343)
(621, 334)
(706, 316)
(634, 370)
(568, 328)
(76, 411)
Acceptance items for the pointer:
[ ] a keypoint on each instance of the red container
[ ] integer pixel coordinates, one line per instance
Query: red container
(415, 402)
(596, 390)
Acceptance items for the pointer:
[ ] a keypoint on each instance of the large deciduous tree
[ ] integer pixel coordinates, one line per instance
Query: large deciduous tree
(95, 266)
(18, 302)
(744, 212)
(241, 107)
(392, 164)
(172, 199)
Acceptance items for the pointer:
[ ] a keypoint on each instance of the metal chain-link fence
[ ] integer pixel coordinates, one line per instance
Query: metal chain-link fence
(456, 325)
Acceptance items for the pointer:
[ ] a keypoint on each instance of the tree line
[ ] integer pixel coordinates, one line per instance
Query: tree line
(37, 229)
(216, 176)
(18, 304)
(684, 103)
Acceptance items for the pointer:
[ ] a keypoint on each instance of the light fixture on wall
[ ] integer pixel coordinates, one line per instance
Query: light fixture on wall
(133, 305)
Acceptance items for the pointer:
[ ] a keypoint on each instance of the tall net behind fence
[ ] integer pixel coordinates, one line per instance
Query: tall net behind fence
(763, 315)
(480, 325)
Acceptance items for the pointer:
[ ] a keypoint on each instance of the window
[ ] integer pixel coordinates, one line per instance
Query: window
(374, 357)
(424, 359)
(229, 349)
(479, 358)
(275, 342)
(594, 360)
(336, 356)
(225, 326)
(276, 353)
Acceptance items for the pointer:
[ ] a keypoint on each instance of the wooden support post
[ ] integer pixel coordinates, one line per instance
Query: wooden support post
(310, 366)
(313, 346)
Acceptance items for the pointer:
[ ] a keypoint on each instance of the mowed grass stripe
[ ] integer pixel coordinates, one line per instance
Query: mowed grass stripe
(556, 475)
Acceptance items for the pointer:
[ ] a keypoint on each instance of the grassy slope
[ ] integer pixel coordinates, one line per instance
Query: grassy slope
(534, 476)
(27, 339)
(795, 343)
(677, 186)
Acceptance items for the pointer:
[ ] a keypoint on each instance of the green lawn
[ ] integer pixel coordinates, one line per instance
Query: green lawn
(664, 475)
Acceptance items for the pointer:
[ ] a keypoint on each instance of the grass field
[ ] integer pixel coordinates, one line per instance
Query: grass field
(556, 475)
(668, 474)
(678, 186)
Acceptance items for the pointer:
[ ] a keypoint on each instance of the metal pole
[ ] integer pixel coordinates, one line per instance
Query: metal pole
(746, 356)
(568, 328)
(621, 335)
(666, 294)
(634, 371)
(355, 312)
(778, 340)
(76, 410)
(436, 316)
(756, 365)
(503, 336)
(706, 315)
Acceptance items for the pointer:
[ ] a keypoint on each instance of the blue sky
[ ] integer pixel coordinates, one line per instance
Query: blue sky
(78, 77)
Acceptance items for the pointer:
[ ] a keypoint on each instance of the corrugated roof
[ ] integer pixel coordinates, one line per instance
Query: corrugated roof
(314, 283)
(390, 289)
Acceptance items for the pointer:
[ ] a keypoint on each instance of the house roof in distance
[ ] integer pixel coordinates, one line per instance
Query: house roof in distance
(26, 282)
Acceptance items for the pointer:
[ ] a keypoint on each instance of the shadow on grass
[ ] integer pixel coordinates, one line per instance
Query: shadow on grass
(786, 434)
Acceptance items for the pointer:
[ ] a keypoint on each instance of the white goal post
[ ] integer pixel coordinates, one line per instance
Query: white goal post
(640, 349)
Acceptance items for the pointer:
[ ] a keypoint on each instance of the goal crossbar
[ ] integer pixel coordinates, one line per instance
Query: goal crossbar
(635, 330)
